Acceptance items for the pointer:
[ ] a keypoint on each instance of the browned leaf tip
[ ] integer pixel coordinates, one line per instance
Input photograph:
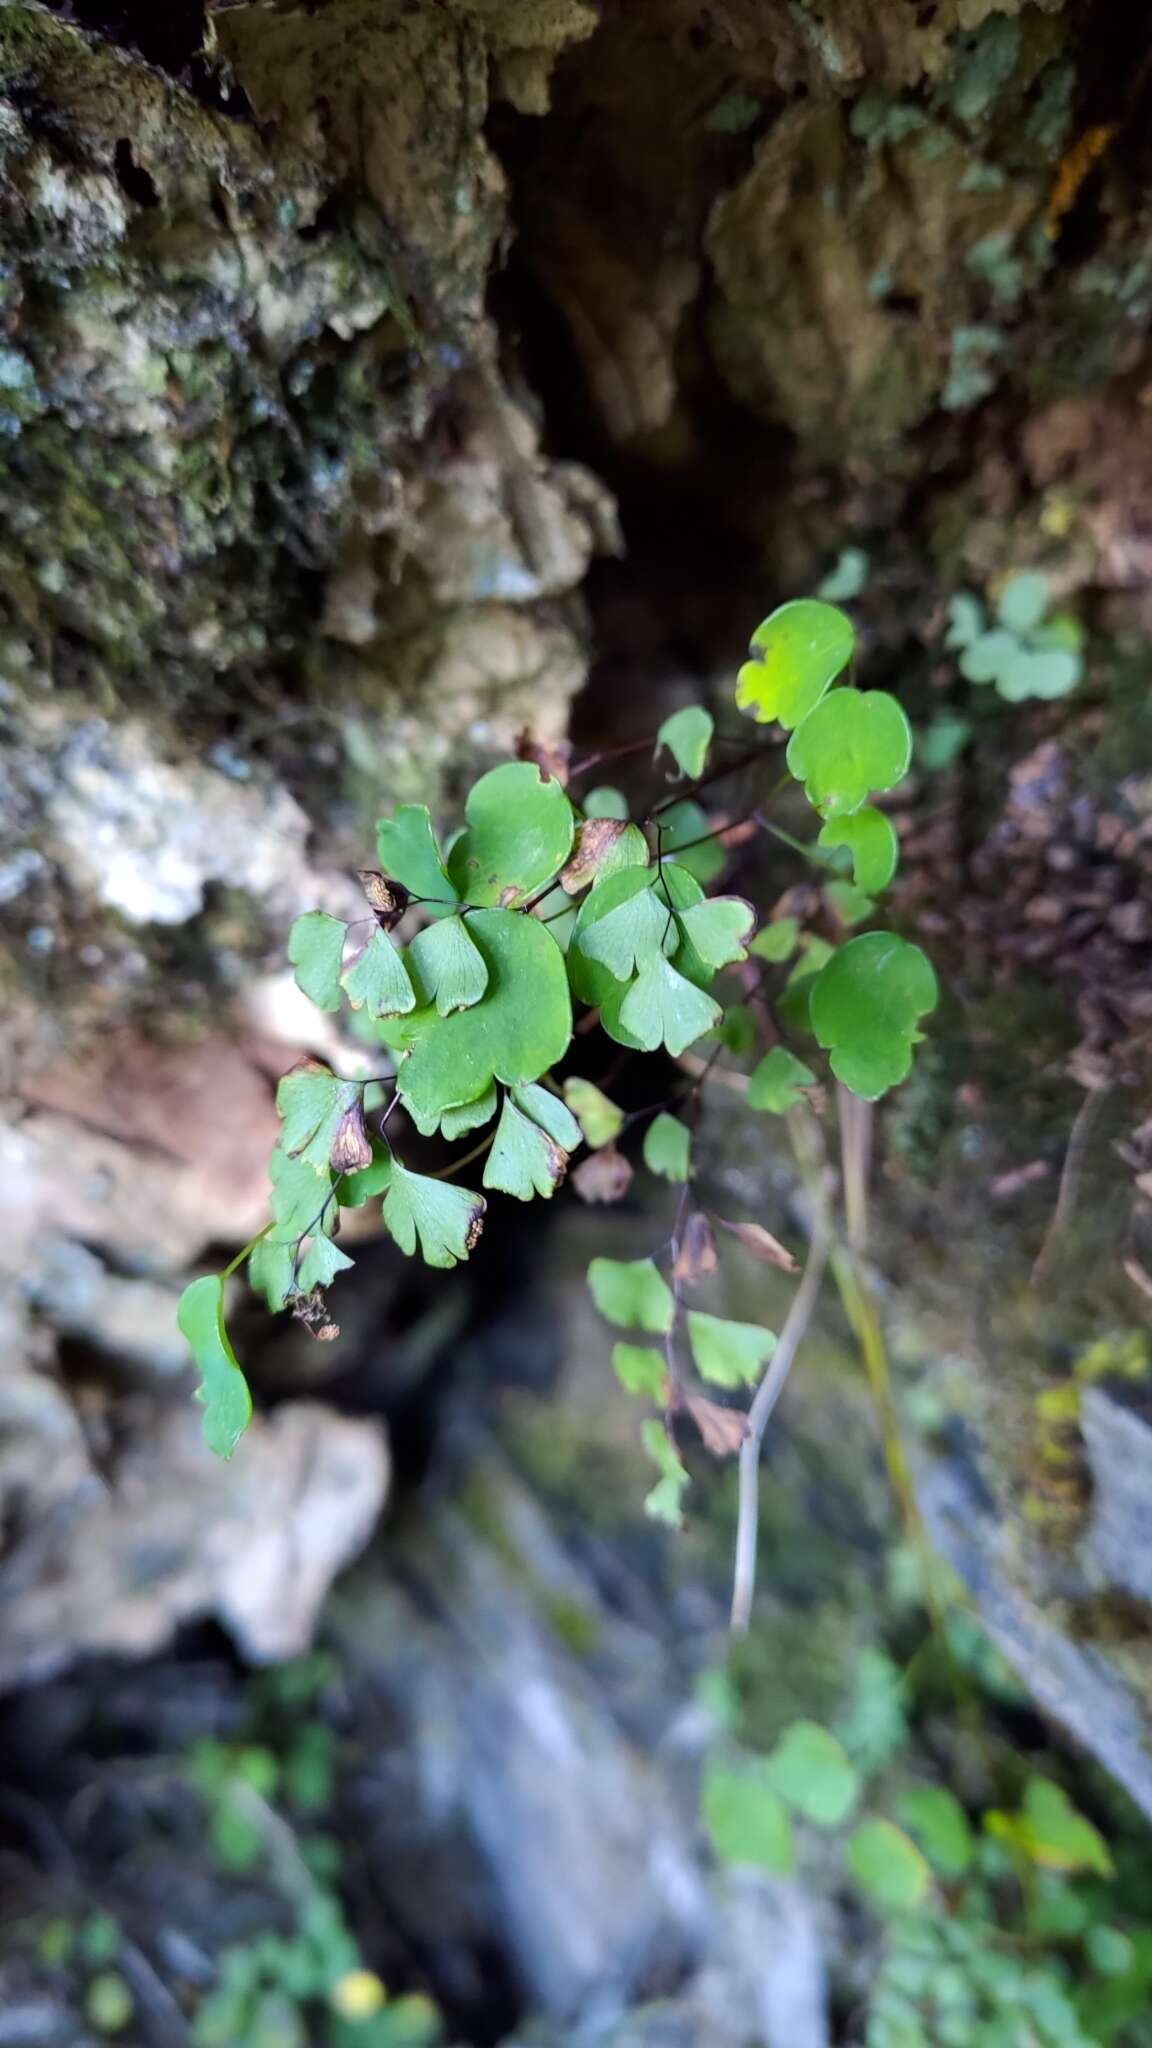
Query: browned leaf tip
(388, 899)
(605, 1176)
(595, 839)
(557, 1162)
(351, 1145)
(722, 1430)
(696, 1252)
(310, 1066)
(762, 1244)
(552, 757)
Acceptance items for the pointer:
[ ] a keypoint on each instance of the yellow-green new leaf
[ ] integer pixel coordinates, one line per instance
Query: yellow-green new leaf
(727, 1353)
(797, 653)
(316, 948)
(851, 905)
(598, 1117)
(632, 1294)
(223, 1388)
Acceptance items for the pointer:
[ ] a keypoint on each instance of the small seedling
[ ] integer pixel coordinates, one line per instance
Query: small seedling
(1027, 652)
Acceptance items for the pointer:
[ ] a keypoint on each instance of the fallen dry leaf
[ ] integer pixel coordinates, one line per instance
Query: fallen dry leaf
(552, 757)
(696, 1253)
(762, 1244)
(1006, 1185)
(722, 1430)
(605, 1176)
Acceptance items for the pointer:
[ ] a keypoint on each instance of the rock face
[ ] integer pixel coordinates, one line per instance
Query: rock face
(312, 315)
(1084, 1690)
(116, 1561)
(279, 549)
(571, 1840)
(1118, 1441)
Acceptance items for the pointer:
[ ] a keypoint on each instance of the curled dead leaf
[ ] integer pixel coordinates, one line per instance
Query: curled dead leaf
(595, 838)
(311, 1311)
(722, 1430)
(388, 900)
(1006, 1185)
(696, 1252)
(605, 1176)
(351, 1146)
(761, 1244)
(552, 757)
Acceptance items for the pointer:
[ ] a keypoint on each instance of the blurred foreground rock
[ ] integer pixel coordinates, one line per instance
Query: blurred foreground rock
(117, 1553)
(121, 1525)
(552, 1765)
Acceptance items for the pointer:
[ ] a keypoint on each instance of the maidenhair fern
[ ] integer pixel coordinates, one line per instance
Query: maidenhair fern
(467, 965)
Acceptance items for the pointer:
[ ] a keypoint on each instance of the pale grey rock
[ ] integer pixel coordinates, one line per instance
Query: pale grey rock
(520, 1766)
(1118, 1440)
(1079, 1686)
(119, 1557)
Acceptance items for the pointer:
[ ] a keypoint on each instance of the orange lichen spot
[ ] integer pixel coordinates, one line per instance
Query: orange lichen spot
(1074, 168)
